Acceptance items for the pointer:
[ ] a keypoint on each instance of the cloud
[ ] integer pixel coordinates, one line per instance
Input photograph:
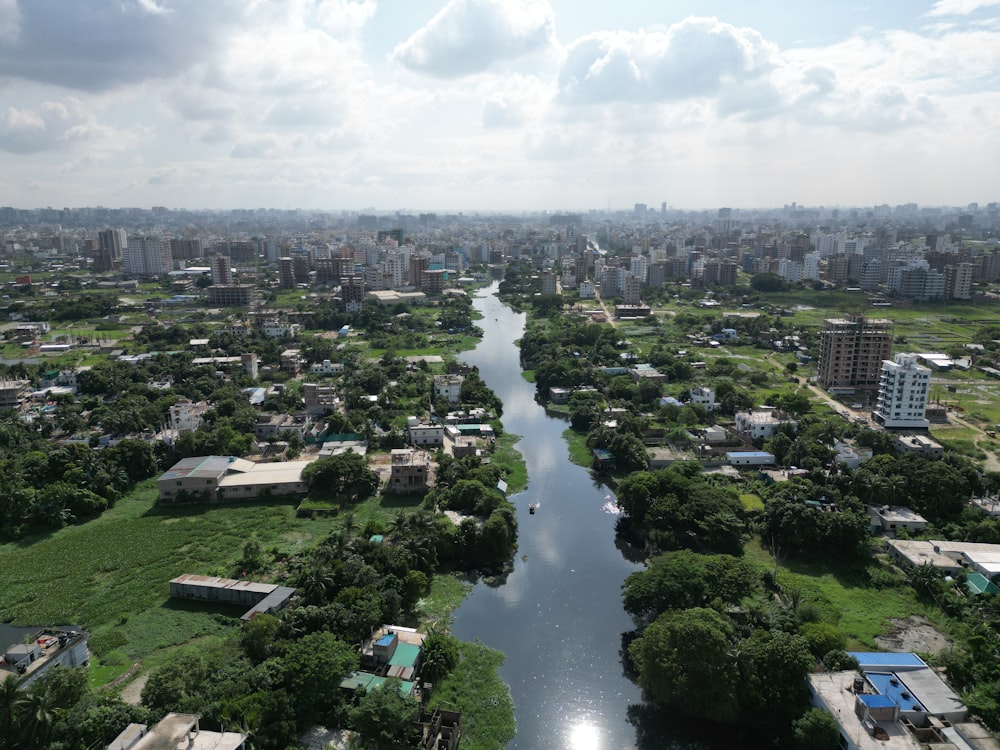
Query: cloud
(10, 21)
(51, 126)
(959, 7)
(104, 45)
(468, 36)
(695, 57)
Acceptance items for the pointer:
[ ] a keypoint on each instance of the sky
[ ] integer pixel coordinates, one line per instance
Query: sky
(478, 105)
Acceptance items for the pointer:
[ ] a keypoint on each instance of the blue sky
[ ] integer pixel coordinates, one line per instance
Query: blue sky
(498, 104)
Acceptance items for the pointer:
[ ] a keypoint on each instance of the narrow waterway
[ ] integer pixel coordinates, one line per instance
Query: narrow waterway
(558, 616)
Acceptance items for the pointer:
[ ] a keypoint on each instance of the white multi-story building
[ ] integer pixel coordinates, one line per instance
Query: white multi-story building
(810, 266)
(146, 257)
(902, 393)
(759, 424)
(448, 387)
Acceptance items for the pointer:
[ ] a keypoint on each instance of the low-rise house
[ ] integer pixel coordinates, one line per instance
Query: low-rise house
(276, 425)
(326, 367)
(889, 519)
(850, 455)
(703, 396)
(176, 732)
(646, 372)
(409, 470)
(948, 557)
(897, 702)
(448, 387)
(760, 424)
(919, 444)
(425, 434)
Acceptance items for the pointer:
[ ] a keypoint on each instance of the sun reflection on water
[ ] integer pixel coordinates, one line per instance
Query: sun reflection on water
(584, 736)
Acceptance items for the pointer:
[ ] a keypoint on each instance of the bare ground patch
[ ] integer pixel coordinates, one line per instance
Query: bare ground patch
(914, 633)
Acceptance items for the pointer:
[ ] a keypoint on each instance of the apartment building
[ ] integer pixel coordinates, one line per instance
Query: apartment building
(852, 351)
(902, 394)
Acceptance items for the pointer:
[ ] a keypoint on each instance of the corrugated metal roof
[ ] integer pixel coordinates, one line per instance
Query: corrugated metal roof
(887, 660)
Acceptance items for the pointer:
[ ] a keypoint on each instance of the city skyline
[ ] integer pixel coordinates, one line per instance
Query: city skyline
(501, 105)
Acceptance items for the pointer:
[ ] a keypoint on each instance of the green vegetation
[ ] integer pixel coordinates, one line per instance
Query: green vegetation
(579, 451)
(484, 700)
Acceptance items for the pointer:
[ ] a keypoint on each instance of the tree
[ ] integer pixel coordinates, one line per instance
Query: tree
(439, 656)
(684, 660)
(384, 715)
(345, 474)
(313, 668)
(816, 730)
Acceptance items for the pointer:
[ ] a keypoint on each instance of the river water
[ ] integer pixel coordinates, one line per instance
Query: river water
(558, 616)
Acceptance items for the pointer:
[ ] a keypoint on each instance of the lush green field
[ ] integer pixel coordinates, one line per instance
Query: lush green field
(844, 596)
(484, 700)
(111, 575)
(579, 452)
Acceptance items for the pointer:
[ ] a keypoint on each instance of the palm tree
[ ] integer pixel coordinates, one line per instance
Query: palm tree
(10, 696)
(35, 717)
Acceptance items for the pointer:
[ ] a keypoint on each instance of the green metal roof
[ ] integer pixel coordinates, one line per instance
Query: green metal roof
(977, 583)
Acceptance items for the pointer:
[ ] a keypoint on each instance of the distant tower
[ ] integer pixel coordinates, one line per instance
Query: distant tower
(222, 270)
(286, 273)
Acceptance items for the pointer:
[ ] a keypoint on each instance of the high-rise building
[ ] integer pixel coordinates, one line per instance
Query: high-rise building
(958, 281)
(113, 240)
(222, 270)
(146, 257)
(286, 273)
(852, 350)
(902, 394)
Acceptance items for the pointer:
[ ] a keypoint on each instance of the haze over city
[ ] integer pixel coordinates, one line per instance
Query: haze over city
(497, 104)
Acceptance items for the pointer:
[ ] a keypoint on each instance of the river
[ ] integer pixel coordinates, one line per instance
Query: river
(558, 616)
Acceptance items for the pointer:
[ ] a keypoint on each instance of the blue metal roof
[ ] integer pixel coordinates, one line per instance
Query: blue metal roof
(748, 454)
(892, 688)
(877, 701)
(885, 660)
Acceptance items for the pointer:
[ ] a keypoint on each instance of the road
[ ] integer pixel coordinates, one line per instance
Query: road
(604, 307)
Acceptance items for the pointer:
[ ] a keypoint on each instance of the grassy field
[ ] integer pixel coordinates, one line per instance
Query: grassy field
(844, 597)
(475, 689)
(579, 453)
(111, 575)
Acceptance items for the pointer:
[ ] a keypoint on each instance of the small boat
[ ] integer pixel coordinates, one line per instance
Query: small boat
(531, 509)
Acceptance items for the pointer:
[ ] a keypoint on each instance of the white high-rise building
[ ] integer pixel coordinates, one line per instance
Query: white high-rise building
(902, 393)
(810, 266)
(147, 257)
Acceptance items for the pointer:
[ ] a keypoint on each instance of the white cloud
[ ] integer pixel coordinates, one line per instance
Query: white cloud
(695, 57)
(104, 45)
(51, 126)
(959, 7)
(468, 36)
(10, 21)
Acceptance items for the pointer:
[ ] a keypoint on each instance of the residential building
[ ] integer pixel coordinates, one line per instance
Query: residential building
(890, 519)
(232, 295)
(146, 257)
(897, 702)
(759, 424)
(448, 387)
(921, 444)
(852, 351)
(704, 396)
(222, 269)
(902, 394)
(13, 393)
(176, 732)
(410, 470)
